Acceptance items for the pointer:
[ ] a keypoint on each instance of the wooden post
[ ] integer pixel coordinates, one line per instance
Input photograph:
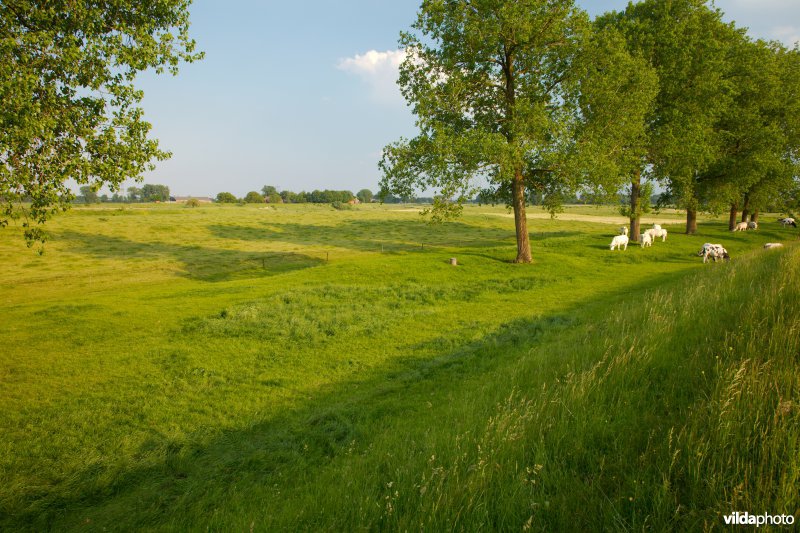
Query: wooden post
(453, 261)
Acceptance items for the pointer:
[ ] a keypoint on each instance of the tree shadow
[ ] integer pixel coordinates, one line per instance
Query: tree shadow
(369, 235)
(196, 262)
(308, 436)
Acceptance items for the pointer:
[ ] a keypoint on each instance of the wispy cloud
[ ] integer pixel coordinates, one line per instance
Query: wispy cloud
(790, 35)
(766, 19)
(379, 70)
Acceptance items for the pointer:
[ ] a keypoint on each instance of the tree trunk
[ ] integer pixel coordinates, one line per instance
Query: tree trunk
(732, 217)
(746, 207)
(520, 220)
(691, 221)
(636, 190)
(754, 216)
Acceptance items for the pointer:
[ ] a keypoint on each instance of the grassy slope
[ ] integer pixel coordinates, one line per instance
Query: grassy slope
(192, 366)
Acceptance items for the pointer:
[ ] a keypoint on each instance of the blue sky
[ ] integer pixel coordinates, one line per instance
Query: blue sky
(301, 95)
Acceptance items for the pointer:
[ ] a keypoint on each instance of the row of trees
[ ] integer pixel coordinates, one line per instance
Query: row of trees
(146, 193)
(538, 101)
(270, 194)
(723, 130)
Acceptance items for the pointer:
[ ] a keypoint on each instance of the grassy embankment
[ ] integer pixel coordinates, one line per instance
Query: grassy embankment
(237, 367)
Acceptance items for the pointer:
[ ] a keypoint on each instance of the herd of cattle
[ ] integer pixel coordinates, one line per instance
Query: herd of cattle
(708, 251)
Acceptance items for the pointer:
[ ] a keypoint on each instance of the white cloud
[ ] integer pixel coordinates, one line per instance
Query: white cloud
(789, 35)
(379, 70)
(766, 19)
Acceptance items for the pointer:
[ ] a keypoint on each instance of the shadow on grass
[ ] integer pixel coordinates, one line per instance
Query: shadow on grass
(196, 262)
(370, 235)
(304, 439)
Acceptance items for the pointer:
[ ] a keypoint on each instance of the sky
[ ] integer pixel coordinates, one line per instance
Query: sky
(302, 95)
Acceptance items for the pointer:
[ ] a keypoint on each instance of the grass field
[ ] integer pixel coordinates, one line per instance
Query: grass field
(299, 367)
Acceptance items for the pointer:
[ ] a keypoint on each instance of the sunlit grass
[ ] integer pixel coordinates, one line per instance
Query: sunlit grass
(166, 367)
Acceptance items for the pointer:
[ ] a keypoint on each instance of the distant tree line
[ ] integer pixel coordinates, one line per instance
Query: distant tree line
(270, 194)
(146, 193)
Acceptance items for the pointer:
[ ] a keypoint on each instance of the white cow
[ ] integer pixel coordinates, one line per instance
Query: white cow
(646, 240)
(714, 251)
(623, 230)
(788, 221)
(653, 233)
(658, 232)
(619, 241)
(752, 225)
(741, 226)
(771, 245)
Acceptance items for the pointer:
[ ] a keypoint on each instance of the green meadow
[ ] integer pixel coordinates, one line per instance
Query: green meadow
(297, 367)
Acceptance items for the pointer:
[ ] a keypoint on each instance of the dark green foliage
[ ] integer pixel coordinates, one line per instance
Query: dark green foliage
(154, 193)
(364, 196)
(254, 198)
(226, 198)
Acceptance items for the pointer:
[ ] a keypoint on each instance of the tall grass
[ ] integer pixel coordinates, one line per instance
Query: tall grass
(675, 410)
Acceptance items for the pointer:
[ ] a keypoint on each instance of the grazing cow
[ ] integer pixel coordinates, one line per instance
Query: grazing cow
(771, 245)
(619, 241)
(788, 221)
(653, 233)
(752, 225)
(741, 226)
(658, 232)
(714, 251)
(623, 230)
(646, 240)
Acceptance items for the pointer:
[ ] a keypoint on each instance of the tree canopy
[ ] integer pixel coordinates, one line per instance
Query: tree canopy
(509, 94)
(722, 129)
(70, 107)
(364, 196)
(254, 197)
(226, 198)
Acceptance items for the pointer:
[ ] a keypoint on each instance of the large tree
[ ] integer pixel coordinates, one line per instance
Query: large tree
(759, 131)
(496, 88)
(70, 109)
(776, 136)
(618, 102)
(690, 47)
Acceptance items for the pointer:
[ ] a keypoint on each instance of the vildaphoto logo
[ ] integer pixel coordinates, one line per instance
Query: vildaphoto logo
(758, 520)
